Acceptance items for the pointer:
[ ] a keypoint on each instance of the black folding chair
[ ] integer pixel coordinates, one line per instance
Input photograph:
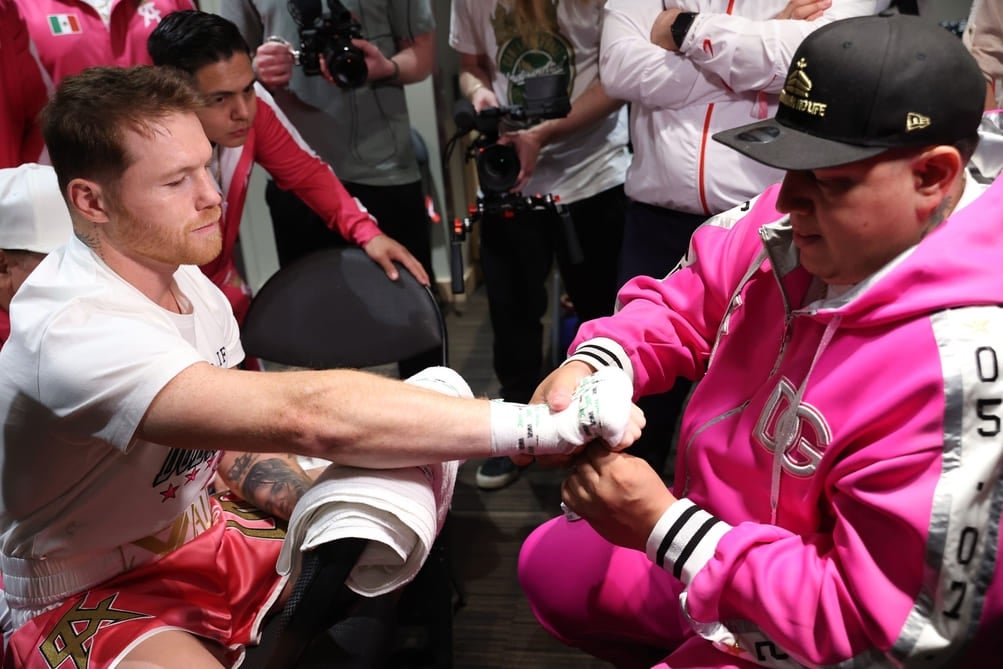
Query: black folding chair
(337, 308)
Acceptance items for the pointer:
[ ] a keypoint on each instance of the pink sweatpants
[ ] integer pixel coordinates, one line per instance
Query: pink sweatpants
(611, 602)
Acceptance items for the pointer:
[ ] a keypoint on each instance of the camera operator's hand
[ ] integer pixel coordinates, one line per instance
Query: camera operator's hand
(413, 62)
(475, 81)
(380, 67)
(527, 144)
(483, 98)
(273, 64)
(383, 250)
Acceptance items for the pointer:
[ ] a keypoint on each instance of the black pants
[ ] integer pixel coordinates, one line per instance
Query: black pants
(654, 240)
(517, 255)
(399, 211)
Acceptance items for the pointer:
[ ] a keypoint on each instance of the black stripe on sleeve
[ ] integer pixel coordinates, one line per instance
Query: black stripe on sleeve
(589, 354)
(671, 534)
(691, 545)
(608, 352)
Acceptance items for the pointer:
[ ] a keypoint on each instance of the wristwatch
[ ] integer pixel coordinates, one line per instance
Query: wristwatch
(681, 26)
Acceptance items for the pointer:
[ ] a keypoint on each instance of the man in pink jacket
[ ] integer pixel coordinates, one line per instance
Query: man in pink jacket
(838, 496)
(246, 127)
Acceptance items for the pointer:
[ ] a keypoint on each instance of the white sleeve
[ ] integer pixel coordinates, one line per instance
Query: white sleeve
(632, 68)
(984, 37)
(102, 372)
(754, 54)
(722, 56)
(463, 33)
(600, 352)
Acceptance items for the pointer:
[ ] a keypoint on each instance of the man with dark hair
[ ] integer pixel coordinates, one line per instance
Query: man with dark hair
(118, 394)
(363, 132)
(246, 127)
(837, 496)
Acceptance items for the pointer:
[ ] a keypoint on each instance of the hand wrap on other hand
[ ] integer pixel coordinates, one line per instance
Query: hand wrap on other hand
(599, 409)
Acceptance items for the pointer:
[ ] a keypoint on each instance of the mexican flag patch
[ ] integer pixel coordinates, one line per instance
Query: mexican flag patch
(64, 24)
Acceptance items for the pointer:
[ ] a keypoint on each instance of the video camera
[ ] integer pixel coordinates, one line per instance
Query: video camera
(329, 36)
(498, 165)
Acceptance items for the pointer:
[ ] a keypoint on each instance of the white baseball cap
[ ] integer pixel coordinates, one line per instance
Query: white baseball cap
(33, 215)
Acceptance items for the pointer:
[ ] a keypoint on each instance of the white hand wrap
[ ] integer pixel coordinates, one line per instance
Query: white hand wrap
(599, 409)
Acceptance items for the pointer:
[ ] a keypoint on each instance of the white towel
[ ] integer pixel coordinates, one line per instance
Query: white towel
(400, 511)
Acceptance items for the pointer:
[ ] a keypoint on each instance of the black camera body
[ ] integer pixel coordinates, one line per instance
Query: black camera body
(329, 36)
(498, 165)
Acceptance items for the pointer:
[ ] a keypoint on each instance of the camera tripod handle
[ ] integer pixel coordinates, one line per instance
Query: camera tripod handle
(574, 247)
(456, 238)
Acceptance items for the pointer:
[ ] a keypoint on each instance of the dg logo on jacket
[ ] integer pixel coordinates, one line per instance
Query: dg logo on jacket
(797, 430)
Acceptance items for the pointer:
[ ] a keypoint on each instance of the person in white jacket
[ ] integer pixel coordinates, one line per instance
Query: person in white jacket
(690, 68)
(984, 38)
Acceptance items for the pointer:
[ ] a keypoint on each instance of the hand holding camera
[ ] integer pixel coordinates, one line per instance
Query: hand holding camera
(327, 42)
(483, 97)
(381, 68)
(499, 155)
(273, 63)
(527, 144)
(498, 162)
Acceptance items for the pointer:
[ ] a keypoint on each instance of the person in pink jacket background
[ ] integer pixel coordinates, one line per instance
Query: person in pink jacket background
(837, 497)
(24, 88)
(74, 34)
(42, 41)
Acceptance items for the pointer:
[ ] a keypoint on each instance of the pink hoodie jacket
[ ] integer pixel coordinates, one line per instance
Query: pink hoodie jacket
(839, 466)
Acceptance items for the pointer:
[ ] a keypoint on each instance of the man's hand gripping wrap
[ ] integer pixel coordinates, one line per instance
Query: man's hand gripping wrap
(599, 409)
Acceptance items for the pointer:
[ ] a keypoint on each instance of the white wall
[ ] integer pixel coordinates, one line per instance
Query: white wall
(421, 108)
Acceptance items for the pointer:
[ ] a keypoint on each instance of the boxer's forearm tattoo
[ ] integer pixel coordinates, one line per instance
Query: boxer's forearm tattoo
(273, 484)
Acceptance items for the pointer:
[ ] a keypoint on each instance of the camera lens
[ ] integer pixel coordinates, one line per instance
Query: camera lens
(347, 65)
(498, 168)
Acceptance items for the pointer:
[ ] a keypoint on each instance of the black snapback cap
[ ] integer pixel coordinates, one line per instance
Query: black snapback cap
(861, 86)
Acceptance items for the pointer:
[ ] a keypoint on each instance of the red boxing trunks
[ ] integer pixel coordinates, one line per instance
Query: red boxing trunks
(219, 586)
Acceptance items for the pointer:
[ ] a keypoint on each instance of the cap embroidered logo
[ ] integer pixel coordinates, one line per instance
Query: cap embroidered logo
(858, 87)
(914, 121)
(797, 90)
